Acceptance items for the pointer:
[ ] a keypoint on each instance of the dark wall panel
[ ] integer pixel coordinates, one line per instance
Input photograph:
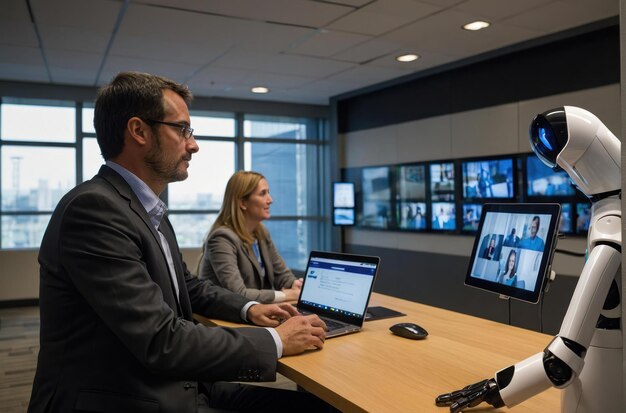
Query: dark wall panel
(438, 280)
(575, 63)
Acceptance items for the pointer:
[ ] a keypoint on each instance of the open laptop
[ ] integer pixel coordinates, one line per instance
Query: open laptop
(337, 287)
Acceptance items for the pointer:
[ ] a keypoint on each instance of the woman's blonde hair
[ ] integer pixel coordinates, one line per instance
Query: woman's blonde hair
(239, 188)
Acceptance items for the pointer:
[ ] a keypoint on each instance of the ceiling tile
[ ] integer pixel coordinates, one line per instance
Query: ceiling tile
(369, 75)
(294, 12)
(93, 15)
(73, 67)
(171, 69)
(498, 9)
(427, 60)
(190, 53)
(70, 38)
(382, 16)
(326, 43)
(220, 77)
(371, 49)
(141, 20)
(281, 64)
(571, 13)
(22, 63)
(442, 32)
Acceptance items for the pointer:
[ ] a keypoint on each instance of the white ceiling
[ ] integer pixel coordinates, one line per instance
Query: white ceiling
(305, 51)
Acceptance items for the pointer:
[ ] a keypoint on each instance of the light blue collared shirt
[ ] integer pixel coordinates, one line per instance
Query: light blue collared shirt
(156, 210)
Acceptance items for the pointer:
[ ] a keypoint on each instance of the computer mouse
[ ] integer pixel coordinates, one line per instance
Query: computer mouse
(409, 330)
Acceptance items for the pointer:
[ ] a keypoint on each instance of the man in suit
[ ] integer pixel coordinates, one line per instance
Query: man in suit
(116, 298)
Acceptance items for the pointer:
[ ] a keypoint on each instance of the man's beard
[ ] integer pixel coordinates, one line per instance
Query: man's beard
(162, 169)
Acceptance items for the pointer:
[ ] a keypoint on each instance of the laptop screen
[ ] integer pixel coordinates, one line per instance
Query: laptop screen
(338, 285)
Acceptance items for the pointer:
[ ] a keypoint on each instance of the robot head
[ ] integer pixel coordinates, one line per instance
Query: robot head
(576, 141)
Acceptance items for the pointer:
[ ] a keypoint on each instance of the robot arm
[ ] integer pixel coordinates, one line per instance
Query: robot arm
(576, 141)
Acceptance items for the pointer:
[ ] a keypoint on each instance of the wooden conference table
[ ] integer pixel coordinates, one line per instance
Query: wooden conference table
(376, 371)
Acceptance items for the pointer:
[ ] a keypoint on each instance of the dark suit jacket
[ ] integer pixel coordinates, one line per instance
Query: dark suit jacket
(227, 261)
(113, 337)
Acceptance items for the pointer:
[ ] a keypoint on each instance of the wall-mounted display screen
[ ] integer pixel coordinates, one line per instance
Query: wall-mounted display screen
(447, 196)
(443, 216)
(411, 182)
(541, 180)
(376, 214)
(488, 179)
(442, 181)
(513, 249)
(471, 216)
(411, 215)
(565, 224)
(583, 214)
(343, 216)
(343, 194)
(376, 188)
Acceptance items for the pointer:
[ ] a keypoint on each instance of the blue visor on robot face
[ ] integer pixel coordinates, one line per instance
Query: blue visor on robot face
(548, 136)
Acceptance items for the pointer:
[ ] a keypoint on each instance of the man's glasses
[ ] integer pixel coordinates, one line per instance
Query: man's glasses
(185, 130)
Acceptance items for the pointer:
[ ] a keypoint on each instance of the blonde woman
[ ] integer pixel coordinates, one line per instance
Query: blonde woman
(238, 253)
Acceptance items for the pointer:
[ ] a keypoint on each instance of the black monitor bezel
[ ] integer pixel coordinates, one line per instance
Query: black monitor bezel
(554, 210)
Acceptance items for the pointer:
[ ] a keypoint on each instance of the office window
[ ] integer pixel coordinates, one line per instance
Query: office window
(87, 120)
(191, 229)
(46, 146)
(35, 178)
(92, 159)
(257, 126)
(23, 230)
(209, 171)
(289, 152)
(294, 239)
(213, 124)
(37, 164)
(40, 123)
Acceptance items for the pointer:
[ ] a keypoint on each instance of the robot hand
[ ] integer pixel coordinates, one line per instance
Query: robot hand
(471, 396)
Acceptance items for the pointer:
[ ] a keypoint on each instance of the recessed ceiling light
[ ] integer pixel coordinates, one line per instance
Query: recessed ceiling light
(259, 89)
(476, 25)
(407, 58)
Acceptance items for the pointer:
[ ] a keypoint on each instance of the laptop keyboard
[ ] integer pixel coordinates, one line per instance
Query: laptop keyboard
(333, 325)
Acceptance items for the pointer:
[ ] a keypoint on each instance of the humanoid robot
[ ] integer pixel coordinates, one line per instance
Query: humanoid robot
(585, 358)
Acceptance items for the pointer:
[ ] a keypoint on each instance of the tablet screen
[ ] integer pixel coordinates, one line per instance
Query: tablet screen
(513, 249)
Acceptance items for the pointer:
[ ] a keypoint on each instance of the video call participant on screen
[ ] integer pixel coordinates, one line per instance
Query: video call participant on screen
(484, 184)
(116, 298)
(509, 275)
(511, 240)
(469, 220)
(533, 241)
(239, 253)
(442, 221)
(490, 250)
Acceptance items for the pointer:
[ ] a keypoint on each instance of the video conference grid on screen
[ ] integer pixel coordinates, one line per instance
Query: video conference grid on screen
(338, 286)
(393, 197)
(511, 249)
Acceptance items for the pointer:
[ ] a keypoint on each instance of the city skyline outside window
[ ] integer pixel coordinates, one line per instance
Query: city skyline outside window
(40, 162)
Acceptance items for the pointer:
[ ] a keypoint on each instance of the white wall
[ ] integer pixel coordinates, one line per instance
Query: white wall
(495, 130)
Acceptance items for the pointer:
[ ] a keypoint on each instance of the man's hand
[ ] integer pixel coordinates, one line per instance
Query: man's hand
(270, 315)
(301, 333)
